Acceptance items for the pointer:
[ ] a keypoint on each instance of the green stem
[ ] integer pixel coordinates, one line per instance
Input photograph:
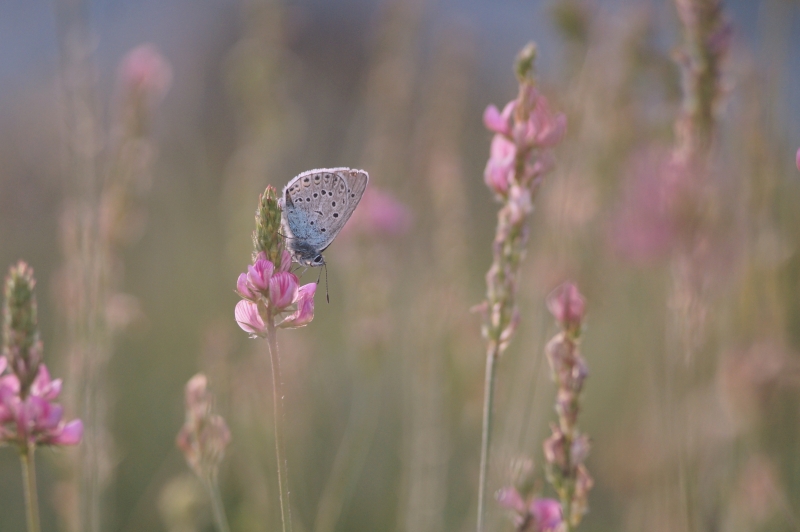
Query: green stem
(217, 508)
(29, 485)
(277, 405)
(488, 400)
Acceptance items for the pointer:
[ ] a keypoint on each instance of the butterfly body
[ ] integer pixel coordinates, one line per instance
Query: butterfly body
(316, 204)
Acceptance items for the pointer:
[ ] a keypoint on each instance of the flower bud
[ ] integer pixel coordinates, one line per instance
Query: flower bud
(567, 305)
(21, 344)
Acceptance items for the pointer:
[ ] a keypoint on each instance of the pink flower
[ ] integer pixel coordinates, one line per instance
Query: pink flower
(282, 290)
(567, 305)
(36, 419)
(243, 289)
(546, 513)
(259, 274)
(499, 172)
(305, 308)
(534, 515)
(286, 261)
(543, 128)
(145, 69)
(248, 318)
(44, 387)
(499, 122)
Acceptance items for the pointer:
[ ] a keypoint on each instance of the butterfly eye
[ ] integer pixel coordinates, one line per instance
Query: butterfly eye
(318, 259)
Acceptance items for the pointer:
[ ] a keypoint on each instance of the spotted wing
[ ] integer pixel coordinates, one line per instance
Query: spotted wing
(344, 189)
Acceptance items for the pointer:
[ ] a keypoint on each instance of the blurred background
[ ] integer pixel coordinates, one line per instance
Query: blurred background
(139, 175)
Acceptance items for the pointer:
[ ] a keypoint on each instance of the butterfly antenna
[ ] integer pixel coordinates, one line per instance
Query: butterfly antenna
(327, 296)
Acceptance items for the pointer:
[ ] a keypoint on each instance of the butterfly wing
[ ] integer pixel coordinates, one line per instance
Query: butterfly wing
(317, 203)
(343, 193)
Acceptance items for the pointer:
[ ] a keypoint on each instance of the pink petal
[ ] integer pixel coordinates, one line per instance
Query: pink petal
(242, 287)
(44, 387)
(3, 364)
(495, 122)
(248, 318)
(796, 160)
(259, 274)
(553, 132)
(305, 308)
(547, 513)
(511, 499)
(282, 289)
(286, 261)
(71, 434)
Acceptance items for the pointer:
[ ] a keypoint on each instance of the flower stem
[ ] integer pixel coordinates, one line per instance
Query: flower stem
(277, 404)
(29, 484)
(488, 400)
(217, 508)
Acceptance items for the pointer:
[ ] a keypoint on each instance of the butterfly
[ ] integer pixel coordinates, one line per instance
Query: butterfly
(316, 204)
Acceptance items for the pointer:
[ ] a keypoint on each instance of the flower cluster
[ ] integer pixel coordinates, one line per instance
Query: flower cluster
(567, 448)
(34, 419)
(271, 294)
(29, 415)
(204, 436)
(533, 514)
(530, 512)
(525, 131)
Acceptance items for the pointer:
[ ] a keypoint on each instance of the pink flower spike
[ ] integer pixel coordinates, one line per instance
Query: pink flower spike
(282, 290)
(305, 308)
(259, 274)
(243, 289)
(547, 514)
(510, 499)
(70, 434)
(3, 364)
(567, 305)
(797, 158)
(248, 318)
(497, 122)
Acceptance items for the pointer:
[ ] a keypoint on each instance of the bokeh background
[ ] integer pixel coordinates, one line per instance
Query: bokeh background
(384, 388)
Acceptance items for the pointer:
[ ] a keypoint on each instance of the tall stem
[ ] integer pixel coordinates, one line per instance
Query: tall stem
(486, 434)
(277, 405)
(217, 508)
(29, 485)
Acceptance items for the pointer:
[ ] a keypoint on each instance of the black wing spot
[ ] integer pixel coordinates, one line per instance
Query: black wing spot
(312, 223)
(323, 229)
(335, 215)
(327, 177)
(333, 204)
(323, 192)
(316, 178)
(306, 180)
(308, 199)
(352, 195)
(315, 194)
